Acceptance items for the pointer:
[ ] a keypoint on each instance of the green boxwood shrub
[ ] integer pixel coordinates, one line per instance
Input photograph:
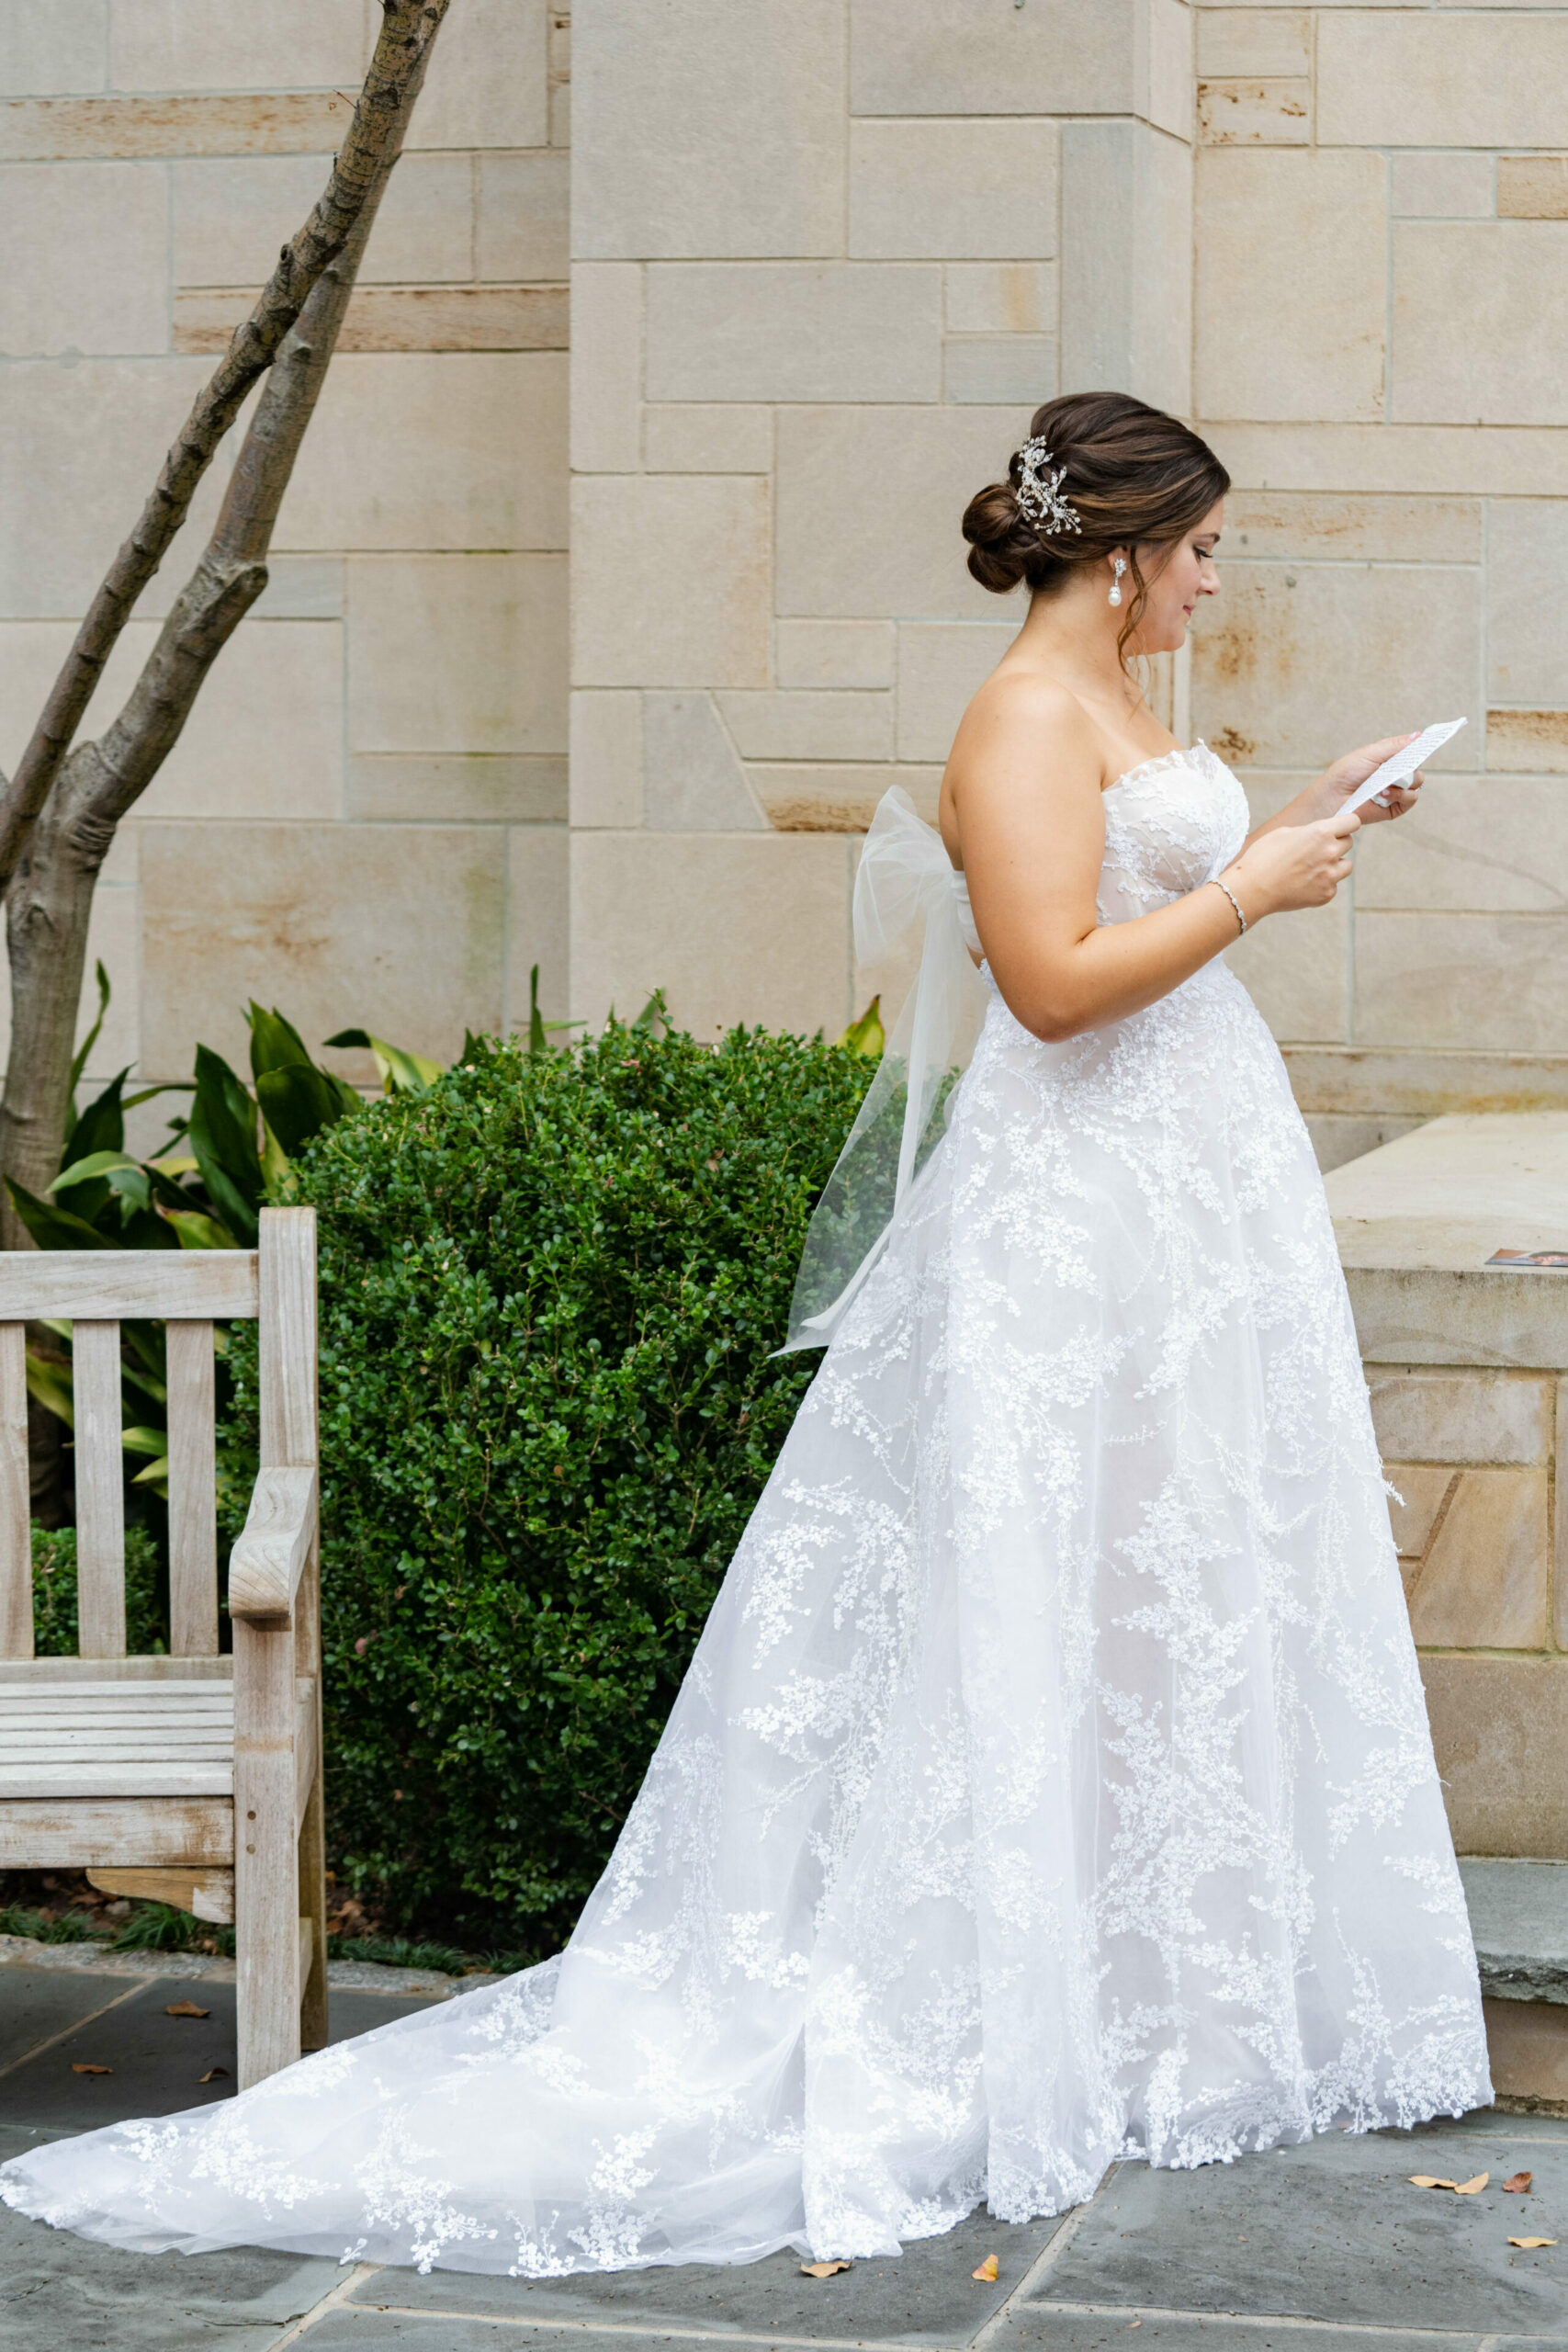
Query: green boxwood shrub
(54, 1592)
(550, 1290)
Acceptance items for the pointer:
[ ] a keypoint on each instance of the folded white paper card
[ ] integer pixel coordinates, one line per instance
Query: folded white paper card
(1403, 765)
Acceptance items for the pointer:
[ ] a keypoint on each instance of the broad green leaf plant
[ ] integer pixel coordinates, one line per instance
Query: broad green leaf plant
(204, 1191)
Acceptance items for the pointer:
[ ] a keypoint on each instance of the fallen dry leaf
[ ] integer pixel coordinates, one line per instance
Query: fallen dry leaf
(987, 2270)
(1431, 2180)
(1460, 2188)
(1520, 2184)
(1532, 2241)
(213, 2075)
(78, 2068)
(1473, 2188)
(185, 2009)
(822, 2269)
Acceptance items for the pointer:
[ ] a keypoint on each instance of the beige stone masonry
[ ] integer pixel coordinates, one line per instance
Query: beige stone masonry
(1485, 844)
(1299, 973)
(457, 653)
(1261, 41)
(191, 45)
(770, 946)
(485, 788)
(692, 781)
(520, 214)
(538, 899)
(1314, 222)
(606, 760)
(335, 923)
(1055, 57)
(1500, 1727)
(1464, 1367)
(1452, 185)
(471, 454)
(1407, 640)
(1532, 187)
(1466, 980)
(488, 83)
(1460, 1417)
(1307, 525)
(941, 666)
(707, 438)
(102, 424)
(1126, 261)
(409, 318)
(986, 369)
(229, 215)
(810, 726)
(834, 653)
(999, 298)
(977, 190)
(1505, 279)
(1358, 1081)
(802, 798)
(62, 46)
(672, 575)
(1504, 461)
(793, 331)
(1240, 113)
(87, 267)
(1531, 741)
(1527, 580)
(711, 130)
(273, 123)
(1478, 1575)
(606, 367)
(846, 550)
(1407, 77)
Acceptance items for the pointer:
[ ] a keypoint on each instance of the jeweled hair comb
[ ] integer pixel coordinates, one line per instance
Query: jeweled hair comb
(1039, 491)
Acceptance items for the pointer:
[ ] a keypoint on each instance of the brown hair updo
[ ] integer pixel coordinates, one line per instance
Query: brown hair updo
(1134, 477)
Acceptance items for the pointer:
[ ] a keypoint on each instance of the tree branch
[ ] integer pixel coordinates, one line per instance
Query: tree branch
(359, 170)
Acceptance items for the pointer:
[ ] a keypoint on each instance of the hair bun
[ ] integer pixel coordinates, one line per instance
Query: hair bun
(1002, 540)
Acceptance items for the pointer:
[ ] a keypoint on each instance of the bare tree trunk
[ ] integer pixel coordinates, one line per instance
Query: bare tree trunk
(59, 816)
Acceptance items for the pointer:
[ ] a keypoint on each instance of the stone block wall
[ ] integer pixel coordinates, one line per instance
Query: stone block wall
(1380, 220)
(366, 819)
(826, 258)
(1473, 1455)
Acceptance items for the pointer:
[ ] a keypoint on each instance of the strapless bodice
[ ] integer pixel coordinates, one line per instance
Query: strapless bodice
(1171, 823)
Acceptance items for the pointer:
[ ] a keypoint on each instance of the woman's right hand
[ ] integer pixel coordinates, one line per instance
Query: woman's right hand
(1293, 865)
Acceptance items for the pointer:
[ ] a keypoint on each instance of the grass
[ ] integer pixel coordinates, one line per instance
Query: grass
(158, 1927)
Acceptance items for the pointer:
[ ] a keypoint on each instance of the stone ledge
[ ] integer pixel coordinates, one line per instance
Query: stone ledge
(1518, 1917)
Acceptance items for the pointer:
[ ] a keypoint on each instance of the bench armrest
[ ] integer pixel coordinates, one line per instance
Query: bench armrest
(267, 1561)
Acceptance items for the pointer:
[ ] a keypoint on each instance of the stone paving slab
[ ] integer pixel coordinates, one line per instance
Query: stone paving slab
(157, 2062)
(38, 2006)
(1112, 2330)
(346, 1975)
(352, 2329)
(924, 2296)
(1331, 2232)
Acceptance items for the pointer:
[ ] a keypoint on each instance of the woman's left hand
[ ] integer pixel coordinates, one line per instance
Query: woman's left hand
(1335, 785)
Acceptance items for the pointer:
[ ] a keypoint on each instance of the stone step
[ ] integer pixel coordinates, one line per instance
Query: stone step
(1518, 1915)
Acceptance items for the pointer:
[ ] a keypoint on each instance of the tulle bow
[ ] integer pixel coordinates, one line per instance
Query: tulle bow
(905, 889)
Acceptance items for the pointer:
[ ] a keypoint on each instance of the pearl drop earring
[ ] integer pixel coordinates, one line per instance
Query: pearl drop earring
(1115, 595)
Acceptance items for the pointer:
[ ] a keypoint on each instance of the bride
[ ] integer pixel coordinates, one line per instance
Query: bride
(1052, 1782)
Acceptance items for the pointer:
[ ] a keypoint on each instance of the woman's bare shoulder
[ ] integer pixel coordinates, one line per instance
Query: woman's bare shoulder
(1018, 712)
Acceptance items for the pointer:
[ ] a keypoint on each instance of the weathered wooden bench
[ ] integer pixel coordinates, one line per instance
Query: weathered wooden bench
(195, 1778)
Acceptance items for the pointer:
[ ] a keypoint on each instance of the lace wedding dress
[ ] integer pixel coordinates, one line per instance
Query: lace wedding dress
(1052, 1781)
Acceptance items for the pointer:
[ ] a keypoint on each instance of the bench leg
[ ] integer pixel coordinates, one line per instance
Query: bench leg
(313, 1908)
(266, 1859)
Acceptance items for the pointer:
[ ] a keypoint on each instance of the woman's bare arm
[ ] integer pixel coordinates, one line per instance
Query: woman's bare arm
(1031, 834)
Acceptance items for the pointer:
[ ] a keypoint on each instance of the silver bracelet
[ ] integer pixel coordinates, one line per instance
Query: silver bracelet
(1232, 896)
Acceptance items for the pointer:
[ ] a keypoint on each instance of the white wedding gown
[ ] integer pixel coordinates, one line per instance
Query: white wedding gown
(1052, 1781)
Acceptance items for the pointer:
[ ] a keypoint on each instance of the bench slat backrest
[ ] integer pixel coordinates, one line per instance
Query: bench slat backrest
(187, 1291)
